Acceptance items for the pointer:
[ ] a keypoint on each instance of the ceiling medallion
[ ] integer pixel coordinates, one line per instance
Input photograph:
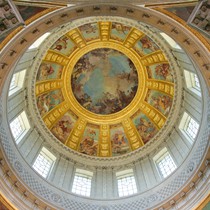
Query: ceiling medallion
(104, 89)
(104, 81)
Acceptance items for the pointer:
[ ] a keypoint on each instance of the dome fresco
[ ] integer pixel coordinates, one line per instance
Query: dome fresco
(104, 81)
(104, 89)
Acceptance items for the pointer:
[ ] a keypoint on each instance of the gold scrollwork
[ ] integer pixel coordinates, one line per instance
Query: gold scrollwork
(77, 38)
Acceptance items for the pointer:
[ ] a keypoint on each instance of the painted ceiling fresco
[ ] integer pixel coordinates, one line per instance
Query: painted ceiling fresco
(104, 89)
(104, 81)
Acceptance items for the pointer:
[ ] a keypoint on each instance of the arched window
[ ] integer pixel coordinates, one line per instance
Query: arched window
(82, 182)
(192, 82)
(39, 41)
(19, 127)
(126, 183)
(170, 41)
(17, 82)
(44, 162)
(164, 163)
(189, 127)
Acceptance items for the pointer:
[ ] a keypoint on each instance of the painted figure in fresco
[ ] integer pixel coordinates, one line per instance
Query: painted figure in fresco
(43, 104)
(119, 144)
(117, 86)
(61, 44)
(146, 129)
(120, 28)
(119, 139)
(81, 68)
(88, 146)
(162, 102)
(45, 70)
(62, 129)
(163, 70)
(147, 44)
(46, 102)
(88, 28)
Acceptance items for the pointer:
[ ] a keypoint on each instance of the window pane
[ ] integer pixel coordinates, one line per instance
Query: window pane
(192, 82)
(39, 41)
(17, 82)
(196, 82)
(82, 184)
(192, 128)
(126, 183)
(44, 163)
(17, 127)
(170, 41)
(166, 164)
(13, 82)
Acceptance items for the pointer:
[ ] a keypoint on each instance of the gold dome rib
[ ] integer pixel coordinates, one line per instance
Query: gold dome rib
(133, 36)
(76, 36)
(47, 86)
(104, 148)
(53, 115)
(75, 137)
(134, 138)
(104, 30)
(56, 57)
(155, 116)
(154, 58)
(162, 86)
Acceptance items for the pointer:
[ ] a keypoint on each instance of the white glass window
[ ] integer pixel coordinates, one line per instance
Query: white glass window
(189, 127)
(17, 82)
(13, 82)
(192, 128)
(196, 82)
(82, 182)
(19, 126)
(126, 183)
(170, 41)
(39, 41)
(164, 163)
(44, 162)
(192, 82)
